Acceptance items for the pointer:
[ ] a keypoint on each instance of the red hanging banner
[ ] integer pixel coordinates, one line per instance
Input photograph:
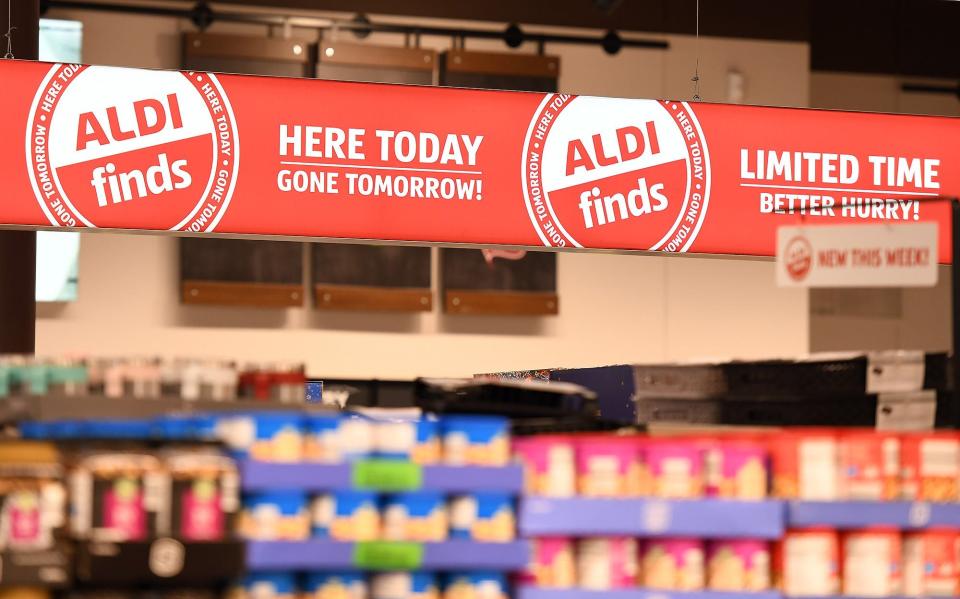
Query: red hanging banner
(88, 146)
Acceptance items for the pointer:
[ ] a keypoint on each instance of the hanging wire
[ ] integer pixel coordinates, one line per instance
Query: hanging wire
(696, 70)
(9, 33)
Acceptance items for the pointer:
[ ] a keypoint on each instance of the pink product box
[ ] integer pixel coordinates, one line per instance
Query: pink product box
(736, 470)
(548, 464)
(673, 564)
(607, 563)
(551, 563)
(676, 469)
(738, 565)
(609, 466)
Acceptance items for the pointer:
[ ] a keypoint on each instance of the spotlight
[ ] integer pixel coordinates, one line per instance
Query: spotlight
(362, 26)
(611, 42)
(513, 35)
(201, 15)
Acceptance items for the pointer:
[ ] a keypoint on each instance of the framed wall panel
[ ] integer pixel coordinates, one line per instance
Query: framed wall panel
(494, 70)
(247, 54)
(343, 61)
(371, 277)
(499, 281)
(239, 272)
(368, 277)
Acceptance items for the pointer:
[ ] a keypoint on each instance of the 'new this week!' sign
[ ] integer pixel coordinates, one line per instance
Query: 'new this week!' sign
(857, 256)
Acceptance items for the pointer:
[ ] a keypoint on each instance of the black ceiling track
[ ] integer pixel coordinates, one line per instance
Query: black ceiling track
(203, 15)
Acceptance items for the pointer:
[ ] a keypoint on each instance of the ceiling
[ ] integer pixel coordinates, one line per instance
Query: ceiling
(906, 37)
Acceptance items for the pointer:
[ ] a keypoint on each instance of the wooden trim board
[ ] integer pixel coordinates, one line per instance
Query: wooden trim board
(498, 63)
(373, 299)
(258, 295)
(512, 303)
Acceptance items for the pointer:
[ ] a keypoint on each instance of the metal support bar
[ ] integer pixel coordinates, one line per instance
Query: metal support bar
(277, 19)
(955, 307)
(18, 249)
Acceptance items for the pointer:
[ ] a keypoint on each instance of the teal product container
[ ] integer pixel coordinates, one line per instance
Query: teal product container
(68, 378)
(345, 585)
(5, 375)
(475, 440)
(34, 378)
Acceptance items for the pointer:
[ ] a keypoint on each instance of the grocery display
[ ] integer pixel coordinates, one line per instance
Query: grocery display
(799, 512)
(145, 378)
(819, 476)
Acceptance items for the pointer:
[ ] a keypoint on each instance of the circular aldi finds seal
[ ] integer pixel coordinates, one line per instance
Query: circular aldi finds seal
(112, 147)
(799, 258)
(616, 173)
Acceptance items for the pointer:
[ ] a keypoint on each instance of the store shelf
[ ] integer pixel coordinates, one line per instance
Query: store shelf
(709, 518)
(257, 476)
(20, 408)
(48, 568)
(860, 514)
(332, 555)
(161, 561)
(542, 593)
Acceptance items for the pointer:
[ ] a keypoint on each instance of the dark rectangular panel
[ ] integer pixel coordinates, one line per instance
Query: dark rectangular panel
(376, 64)
(249, 55)
(371, 277)
(241, 272)
(507, 71)
(494, 281)
(499, 270)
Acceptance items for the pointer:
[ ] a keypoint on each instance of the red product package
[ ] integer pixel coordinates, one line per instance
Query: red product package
(869, 466)
(931, 564)
(931, 466)
(807, 563)
(804, 464)
(872, 563)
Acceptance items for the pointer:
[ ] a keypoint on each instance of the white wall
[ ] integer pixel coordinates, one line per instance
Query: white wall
(889, 318)
(613, 308)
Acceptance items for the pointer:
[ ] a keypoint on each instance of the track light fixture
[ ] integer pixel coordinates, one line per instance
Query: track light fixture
(513, 35)
(611, 42)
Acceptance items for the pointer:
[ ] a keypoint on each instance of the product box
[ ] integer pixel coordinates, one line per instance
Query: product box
(738, 565)
(605, 563)
(673, 564)
(871, 563)
(807, 563)
(805, 463)
(931, 466)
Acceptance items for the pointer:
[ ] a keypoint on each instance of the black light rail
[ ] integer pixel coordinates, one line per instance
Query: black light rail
(203, 15)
